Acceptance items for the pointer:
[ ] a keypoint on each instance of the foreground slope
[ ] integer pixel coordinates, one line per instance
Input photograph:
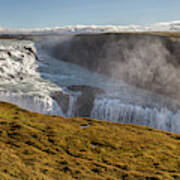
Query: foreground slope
(36, 146)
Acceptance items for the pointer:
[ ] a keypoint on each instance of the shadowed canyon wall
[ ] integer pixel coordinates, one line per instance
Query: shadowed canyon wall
(33, 79)
(145, 60)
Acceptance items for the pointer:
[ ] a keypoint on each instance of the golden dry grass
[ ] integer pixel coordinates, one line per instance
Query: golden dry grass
(40, 147)
(36, 146)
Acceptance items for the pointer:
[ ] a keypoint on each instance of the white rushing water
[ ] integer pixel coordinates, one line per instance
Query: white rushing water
(117, 111)
(20, 82)
(28, 77)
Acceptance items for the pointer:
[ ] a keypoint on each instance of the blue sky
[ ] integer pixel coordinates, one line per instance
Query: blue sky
(51, 13)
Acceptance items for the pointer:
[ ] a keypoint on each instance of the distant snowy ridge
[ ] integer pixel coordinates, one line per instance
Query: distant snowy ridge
(173, 26)
(73, 29)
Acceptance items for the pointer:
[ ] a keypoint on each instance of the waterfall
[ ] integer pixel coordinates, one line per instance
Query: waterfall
(29, 77)
(45, 105)
(40, 104)
(116, 111)
(72, 102)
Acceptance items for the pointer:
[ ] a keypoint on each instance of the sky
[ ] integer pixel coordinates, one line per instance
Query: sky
(54, 13)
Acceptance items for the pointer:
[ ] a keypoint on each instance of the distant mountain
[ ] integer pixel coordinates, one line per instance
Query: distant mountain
(165, 26)
(173, 26)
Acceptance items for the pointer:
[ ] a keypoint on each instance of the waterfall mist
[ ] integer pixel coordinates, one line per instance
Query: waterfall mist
(147, 61)
(120, 77)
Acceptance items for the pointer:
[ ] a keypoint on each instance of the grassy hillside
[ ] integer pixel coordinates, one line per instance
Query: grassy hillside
(36, 146)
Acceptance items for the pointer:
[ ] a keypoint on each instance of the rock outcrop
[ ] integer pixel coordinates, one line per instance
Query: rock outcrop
(85, 101)
(62, 99)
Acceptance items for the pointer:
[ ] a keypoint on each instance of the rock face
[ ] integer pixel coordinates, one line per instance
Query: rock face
(62, 99)
(84, 88)
(144, 60)
(85, 101)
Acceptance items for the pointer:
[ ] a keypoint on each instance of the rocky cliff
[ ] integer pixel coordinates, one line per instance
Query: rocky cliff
(150, 61)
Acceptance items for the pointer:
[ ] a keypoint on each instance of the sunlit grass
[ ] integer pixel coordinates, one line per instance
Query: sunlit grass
(36, 146)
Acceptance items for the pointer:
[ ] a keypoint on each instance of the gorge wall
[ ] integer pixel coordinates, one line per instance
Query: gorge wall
(148, 61)
(129, 78)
